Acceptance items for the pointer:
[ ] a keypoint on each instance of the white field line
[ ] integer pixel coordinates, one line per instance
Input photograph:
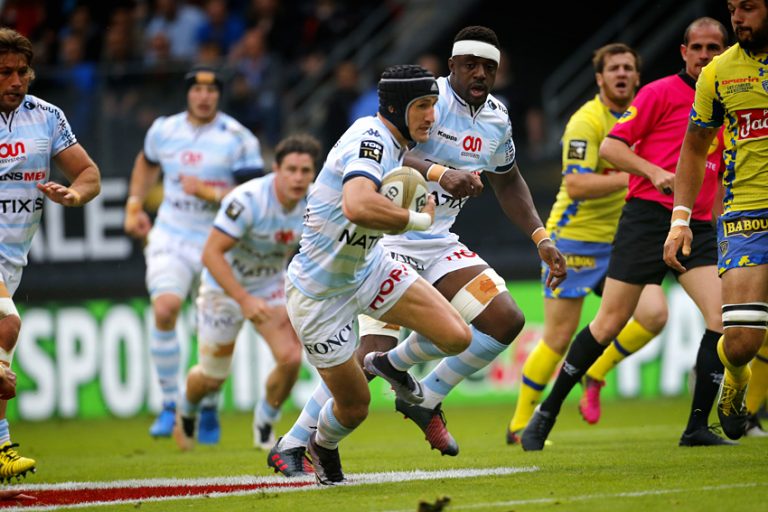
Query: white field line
(353, 479)
(564, 500)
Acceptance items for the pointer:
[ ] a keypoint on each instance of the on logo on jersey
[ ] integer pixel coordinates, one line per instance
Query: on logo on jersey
(628, 114)
(753, 123)
(12, 150)
(191, 157)
(284, 236)
(372, 150)
(472, 143)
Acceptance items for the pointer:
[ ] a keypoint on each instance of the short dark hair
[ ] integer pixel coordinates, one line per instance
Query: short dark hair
(13, 42)
(598, 57)
(478, 33)
(706, 20)
(298, 143)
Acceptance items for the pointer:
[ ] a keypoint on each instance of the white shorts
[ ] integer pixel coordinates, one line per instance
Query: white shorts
(219, 317)
(173, 264)
(326, 327)
(435, 259)
(431, 261)
(10, 276)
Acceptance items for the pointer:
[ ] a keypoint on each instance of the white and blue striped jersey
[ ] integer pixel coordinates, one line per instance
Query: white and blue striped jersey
(477, 140)
(31, 136)
(267, 234)
(335, 255)
(212, 152)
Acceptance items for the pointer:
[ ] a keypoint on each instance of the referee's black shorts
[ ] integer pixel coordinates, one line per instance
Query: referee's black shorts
(638, 248)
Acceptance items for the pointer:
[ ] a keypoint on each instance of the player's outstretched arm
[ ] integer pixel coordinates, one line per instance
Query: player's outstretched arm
(457, 183)
(82, 174)
(688, 178)
(515, 200)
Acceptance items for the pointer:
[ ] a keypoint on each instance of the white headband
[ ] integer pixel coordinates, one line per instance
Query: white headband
(476, 48)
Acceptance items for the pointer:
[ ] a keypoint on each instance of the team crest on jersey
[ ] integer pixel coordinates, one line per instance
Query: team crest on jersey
(723, 247)
(764, 83)
(372, 150)
(577, 149)
(234, 209)
(628, 115)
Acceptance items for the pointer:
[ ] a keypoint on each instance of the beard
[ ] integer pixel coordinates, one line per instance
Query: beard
(756, 40)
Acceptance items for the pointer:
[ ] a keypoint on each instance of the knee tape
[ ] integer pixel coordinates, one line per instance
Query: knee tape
(371, 326)
(475, 296)
(216, 359)
(750, 315)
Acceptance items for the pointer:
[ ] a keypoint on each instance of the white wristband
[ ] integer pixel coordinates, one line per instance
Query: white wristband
(542, 241)
(680, 222)
(418, 221)
(682, 208)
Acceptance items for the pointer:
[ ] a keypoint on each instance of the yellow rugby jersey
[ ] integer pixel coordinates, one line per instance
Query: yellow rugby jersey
(733, 90)
(589, 220)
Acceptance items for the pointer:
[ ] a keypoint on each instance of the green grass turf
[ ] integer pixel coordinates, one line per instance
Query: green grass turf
(628, 462)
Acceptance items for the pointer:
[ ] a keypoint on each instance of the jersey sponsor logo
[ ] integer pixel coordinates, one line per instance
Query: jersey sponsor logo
(192, 205)
(334, 343)
(579, 262)
(284, 236)
(372, 133)
(449, 201)
(10, 151)
(249, 270)
(628, 114)
(461, 254)
(21, 205)
(24, 176)
(372, 150)
(472, 143)
(388, 286)
(408, 260)
(745, 227)
(752, 123)
(366, 241)
(234, 209)
(447, 136)
(577, 149)
(191, 157)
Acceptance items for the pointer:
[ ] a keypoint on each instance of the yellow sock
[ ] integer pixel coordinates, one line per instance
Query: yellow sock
(631, 339)
(537, 371)
(739, 375)
(758, 383)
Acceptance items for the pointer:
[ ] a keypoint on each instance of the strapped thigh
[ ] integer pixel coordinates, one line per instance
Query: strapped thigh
(475, 296)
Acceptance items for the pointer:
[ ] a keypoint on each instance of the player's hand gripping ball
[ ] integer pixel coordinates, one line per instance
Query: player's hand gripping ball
(405, 187)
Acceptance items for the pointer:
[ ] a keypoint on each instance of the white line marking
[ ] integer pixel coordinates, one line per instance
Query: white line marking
(564, 500)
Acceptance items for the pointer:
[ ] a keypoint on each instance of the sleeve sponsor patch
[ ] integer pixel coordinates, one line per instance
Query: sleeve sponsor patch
(234, 209)
(577, 149)
(372, 150)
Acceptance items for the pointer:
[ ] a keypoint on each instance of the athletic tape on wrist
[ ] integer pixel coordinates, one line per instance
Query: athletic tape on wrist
(435, 172)
(418, 221)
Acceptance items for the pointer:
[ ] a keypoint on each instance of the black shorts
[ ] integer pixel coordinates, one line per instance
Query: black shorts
(638, 248)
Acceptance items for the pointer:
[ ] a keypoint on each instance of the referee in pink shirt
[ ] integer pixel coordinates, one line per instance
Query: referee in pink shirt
(646, 143)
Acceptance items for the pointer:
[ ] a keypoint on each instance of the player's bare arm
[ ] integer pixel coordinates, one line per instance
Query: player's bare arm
(194, 186)
(143, 176)
(216, 246)
(590, 185)
(688, 178)
(457, 183)
(515, 199)
(82, 174)
(622, 157)
(363, 205)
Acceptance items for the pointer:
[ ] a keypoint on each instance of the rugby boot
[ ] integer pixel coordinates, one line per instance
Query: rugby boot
(731, 410)
(263, 436)
(326, 463)
(163, 425)
(536, 432)
(754, 427)
(13, 465)
(704, 436)
(513, 436)
(589, 404)
(405, 387)
(292, 462)
(432, 423)
(209, 428)
(184, 433)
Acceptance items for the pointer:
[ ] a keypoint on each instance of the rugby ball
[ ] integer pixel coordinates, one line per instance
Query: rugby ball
(406, 187)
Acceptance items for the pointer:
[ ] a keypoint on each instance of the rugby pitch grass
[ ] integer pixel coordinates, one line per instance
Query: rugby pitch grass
(630, 461)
